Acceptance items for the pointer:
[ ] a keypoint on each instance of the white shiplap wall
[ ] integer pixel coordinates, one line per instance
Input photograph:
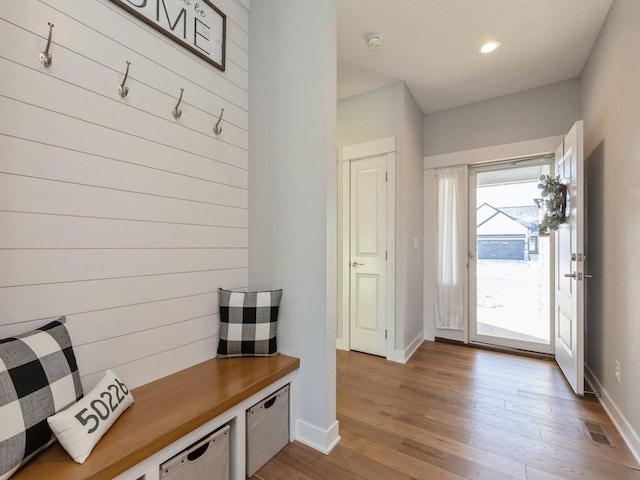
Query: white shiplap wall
(112, 212)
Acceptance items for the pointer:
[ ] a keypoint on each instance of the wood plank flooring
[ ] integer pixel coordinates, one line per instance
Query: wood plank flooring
(454, 412)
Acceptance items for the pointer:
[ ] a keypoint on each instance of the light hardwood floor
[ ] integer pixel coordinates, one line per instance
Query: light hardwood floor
(454, 412)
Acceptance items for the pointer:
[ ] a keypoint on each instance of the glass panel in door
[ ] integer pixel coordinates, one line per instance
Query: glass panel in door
(510, 264)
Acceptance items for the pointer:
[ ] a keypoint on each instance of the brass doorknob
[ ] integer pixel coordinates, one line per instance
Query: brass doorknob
(356, 264)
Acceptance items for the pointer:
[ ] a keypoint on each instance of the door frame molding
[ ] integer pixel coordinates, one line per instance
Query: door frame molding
(356, 152)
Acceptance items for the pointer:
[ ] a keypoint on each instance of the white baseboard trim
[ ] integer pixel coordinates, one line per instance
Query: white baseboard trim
(403, 356)
(455, 335)
(341, 344)
(629, 435)
(322, 440)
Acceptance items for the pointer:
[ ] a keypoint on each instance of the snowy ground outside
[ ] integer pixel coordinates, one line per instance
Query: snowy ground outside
(511, 300)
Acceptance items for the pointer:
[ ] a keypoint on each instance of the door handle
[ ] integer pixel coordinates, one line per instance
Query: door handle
(578, 275)
(356, 264)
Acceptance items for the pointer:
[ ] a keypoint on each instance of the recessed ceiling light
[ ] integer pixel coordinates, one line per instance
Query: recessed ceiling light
(490, 46)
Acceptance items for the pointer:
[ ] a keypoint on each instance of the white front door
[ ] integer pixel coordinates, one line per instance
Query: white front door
(570, 263)
(368, 245)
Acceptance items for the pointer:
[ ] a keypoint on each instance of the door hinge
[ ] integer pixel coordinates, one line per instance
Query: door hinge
(385, 334)
(386, 176)
(386, 255)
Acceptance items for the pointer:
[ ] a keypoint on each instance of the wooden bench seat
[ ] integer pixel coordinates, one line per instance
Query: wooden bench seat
(164, 411)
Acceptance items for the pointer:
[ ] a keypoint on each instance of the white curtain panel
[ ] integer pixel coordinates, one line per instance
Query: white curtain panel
(452, 195)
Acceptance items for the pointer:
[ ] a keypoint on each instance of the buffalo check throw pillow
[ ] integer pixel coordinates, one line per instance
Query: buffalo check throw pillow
(38, 377)
(248, 323)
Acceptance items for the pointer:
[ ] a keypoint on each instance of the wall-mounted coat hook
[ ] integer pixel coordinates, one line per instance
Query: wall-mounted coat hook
(176, 112)
(122, 90)
(45, 57)
(217, 129)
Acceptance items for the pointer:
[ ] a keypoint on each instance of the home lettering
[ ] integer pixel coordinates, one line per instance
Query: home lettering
(199, 31)
(182, 14)
(196, 24)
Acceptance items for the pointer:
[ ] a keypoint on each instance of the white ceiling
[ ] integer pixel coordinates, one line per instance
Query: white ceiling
(433, 46)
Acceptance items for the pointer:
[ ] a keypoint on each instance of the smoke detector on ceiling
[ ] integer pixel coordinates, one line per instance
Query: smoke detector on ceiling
(374, 41)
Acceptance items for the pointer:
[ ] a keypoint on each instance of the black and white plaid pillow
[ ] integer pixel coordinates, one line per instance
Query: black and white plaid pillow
(248, 323)
(38, 378)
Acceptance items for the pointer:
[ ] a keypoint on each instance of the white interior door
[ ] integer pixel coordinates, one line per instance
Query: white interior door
(570, 263)
(368, 246)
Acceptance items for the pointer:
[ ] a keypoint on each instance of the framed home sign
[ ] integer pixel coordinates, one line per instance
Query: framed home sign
(197, 25)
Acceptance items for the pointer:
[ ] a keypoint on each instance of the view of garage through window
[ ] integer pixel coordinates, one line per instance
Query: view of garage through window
(512, 264)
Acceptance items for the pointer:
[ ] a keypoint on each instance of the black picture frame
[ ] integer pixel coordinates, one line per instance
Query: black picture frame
(195, 22)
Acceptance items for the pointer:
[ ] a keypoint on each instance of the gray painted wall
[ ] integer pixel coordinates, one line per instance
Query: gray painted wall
(292, 185)
(536, 113)
(611, 111)
(370, 116)
(385, 112)
(410, 194)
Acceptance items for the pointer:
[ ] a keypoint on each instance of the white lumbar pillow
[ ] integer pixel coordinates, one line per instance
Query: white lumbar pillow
(80, 427)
